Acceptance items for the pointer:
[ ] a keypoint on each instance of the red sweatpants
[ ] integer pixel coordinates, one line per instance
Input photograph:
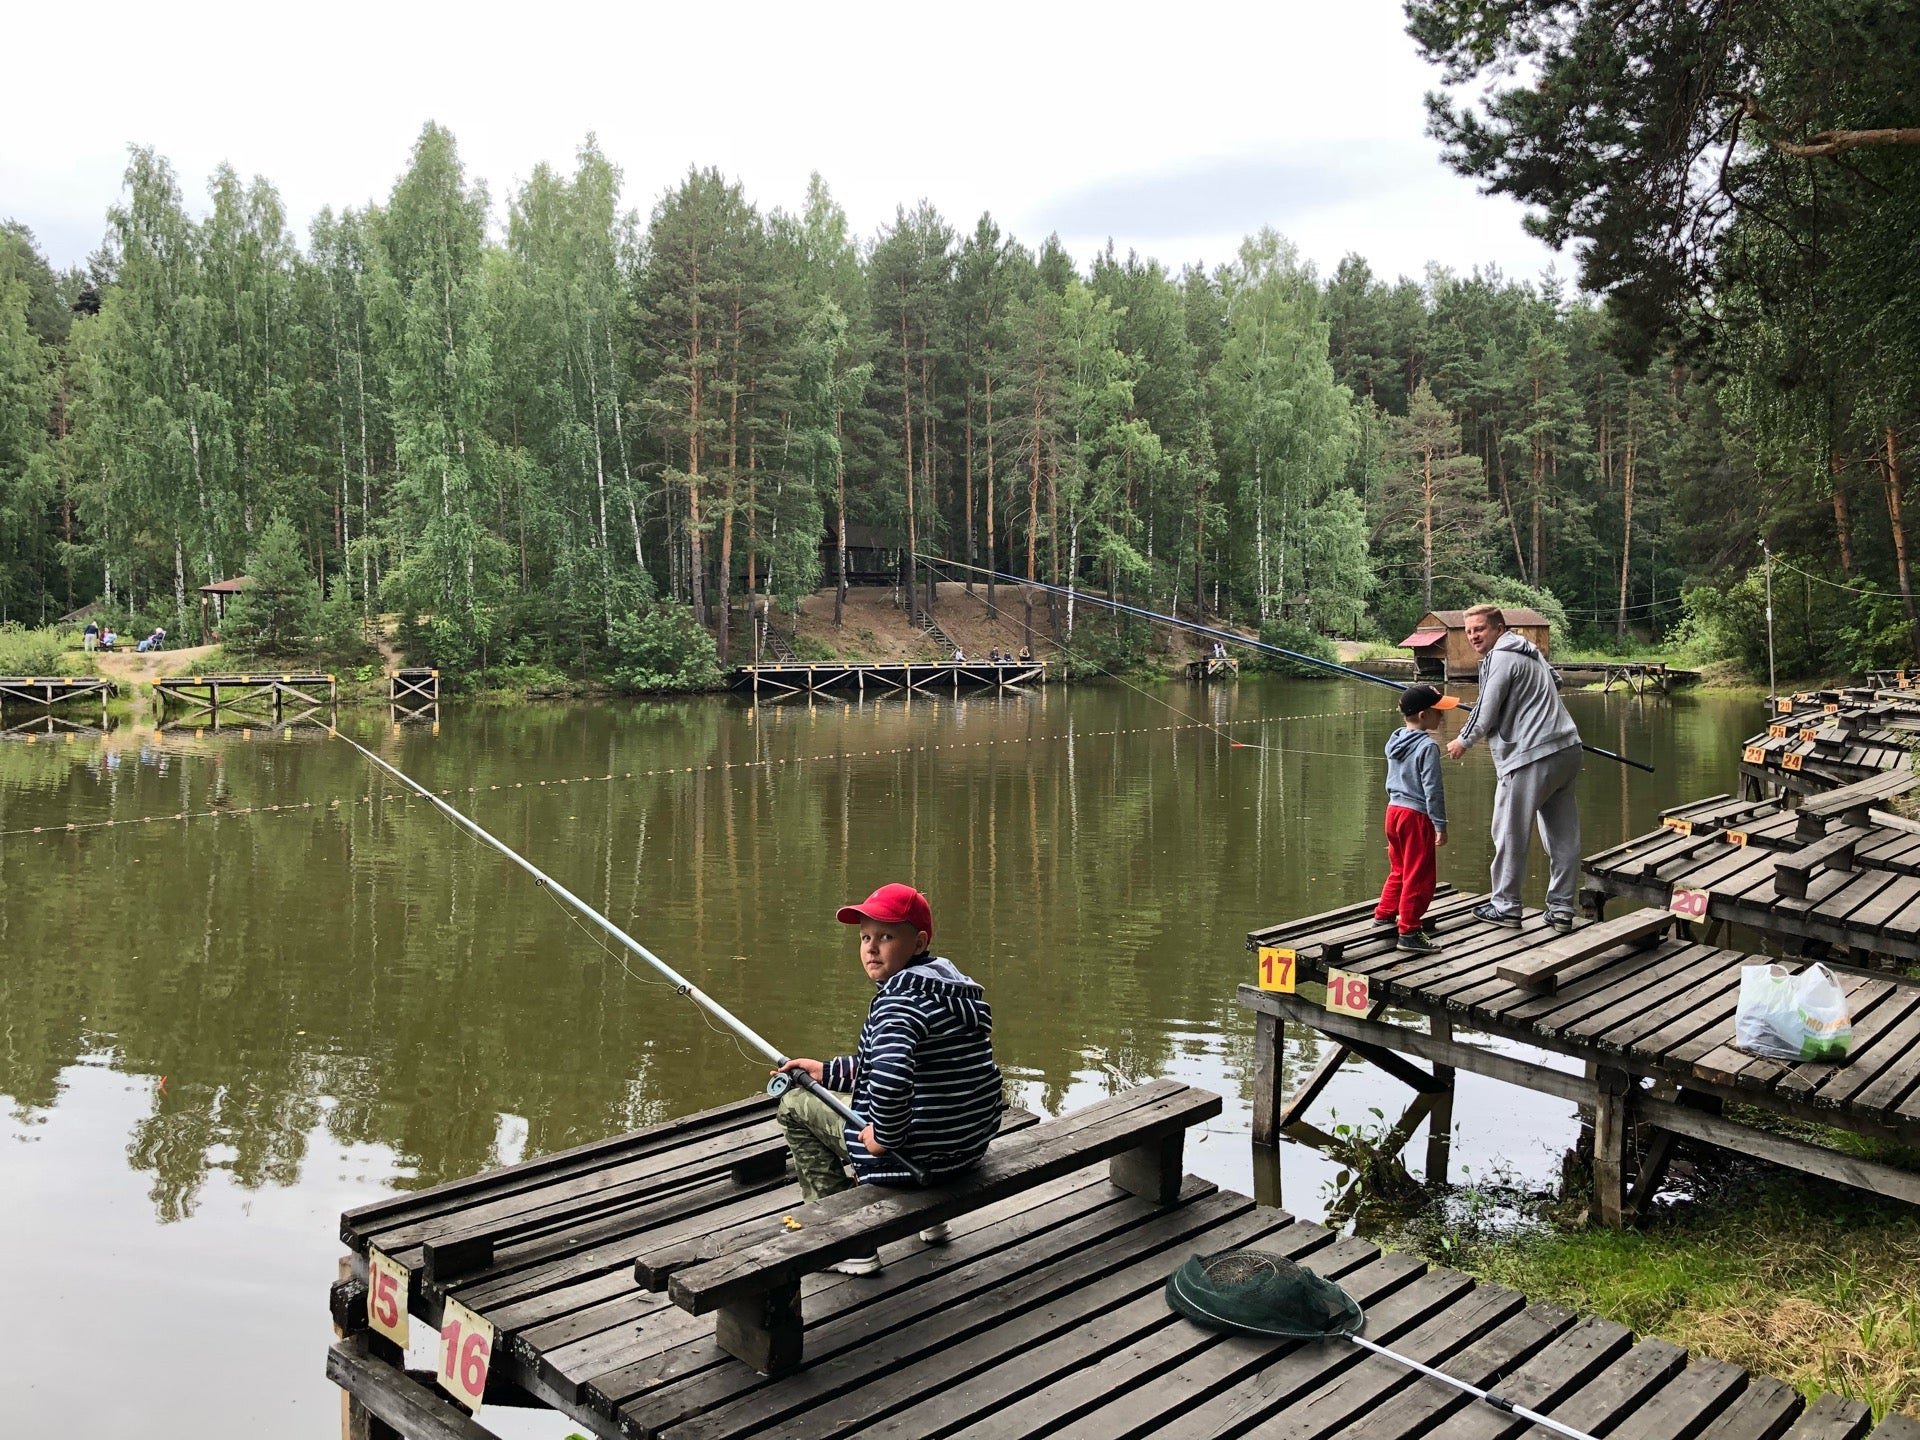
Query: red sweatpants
(1411, 861)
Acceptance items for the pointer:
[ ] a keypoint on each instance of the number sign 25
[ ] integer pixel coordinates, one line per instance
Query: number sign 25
(1277, 969)
(466, 1351)
(387, 1297)
(1347, 994)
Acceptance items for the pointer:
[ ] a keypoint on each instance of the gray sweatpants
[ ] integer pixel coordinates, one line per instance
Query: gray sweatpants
(1544, 788)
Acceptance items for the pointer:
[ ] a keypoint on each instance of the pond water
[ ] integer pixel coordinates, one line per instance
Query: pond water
(223, 1022)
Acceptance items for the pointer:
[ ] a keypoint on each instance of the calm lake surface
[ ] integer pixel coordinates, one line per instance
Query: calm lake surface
(222, 1023)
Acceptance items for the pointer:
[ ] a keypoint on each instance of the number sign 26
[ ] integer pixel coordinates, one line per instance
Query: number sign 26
(1277, 969)
(387, 1297)
(1347, 994)
(466, 1351)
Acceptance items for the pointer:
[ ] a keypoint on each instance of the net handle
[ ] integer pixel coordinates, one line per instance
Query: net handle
(1493, 1398)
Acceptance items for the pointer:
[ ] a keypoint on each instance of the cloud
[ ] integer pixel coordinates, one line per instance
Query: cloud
(1215, 195)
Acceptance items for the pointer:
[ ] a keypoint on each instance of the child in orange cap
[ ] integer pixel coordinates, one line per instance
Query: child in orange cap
(1416, 817)
(923, 1077)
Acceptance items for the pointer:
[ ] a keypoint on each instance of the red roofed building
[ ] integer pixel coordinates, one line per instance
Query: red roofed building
(1440, 648)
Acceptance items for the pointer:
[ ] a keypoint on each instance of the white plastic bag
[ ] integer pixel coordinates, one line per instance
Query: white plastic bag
(1792, 1017)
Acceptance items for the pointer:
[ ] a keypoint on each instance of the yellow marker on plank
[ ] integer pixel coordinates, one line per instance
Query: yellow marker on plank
(1278, 969)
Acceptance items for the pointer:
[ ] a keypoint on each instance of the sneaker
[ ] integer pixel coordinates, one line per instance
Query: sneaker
(1419, 942)
(1384, 920)
(1494, 917)
(936, 1234)
(1560, 921)
(868, 1264)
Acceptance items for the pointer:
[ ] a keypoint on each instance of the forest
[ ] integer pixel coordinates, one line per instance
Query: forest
(549, 428)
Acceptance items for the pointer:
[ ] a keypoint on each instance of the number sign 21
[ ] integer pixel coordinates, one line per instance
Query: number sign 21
(1347, 994)
(466, 1351)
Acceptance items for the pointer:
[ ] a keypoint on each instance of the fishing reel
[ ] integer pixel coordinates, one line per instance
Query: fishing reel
(779, 1083)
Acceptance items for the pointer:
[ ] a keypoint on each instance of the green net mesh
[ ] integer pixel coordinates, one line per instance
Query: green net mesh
(1257, 1292)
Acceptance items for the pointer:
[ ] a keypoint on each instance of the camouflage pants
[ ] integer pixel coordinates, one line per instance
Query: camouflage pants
(819, 1146)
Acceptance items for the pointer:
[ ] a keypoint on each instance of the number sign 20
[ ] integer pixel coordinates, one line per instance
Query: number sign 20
(1277, 969)
(466, 1351)
(387, 1296)
(1689, 904)
(1347, 994)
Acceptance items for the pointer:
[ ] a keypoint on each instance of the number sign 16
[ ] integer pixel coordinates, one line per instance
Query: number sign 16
(1347, 994)
(387, 1297)
(466, 1350)
(1689, 904)
(1277, 969)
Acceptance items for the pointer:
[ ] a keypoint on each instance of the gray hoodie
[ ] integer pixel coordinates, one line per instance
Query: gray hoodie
(1413, 774)
(1518, 713)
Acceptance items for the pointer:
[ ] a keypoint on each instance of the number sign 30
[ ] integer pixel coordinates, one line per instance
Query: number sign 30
(466, 1351)
(1277, 969)
(1347, 994)
(387, 1297)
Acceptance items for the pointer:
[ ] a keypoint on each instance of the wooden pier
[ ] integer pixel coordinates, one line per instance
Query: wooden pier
(1834, 876)
(414, 695)
(1644, 1017)
(1214, 667)
(780, 679)
(45, 692)
(189, 700)
(1043, 1315)
(1642, 677)
(1825, 740)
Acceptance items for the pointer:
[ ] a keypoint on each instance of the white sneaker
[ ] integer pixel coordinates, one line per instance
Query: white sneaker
(868, 1264)
(936, 1234)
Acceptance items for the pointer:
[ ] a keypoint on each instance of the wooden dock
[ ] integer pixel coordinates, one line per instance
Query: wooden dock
(1641, 677)
(1644, 1015)
(413, 694)
(780, 679)
(1825, 740)
(47, 691)
(1043, 1315)
(191, 700)
(1213, 667)
(1833, 874)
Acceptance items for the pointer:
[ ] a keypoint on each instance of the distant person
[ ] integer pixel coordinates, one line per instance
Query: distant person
(959, 656)
(1536, 755)
(923, 1076)
(1026, 654)
(1416, 817)
(156, 641)
(90, 636)
(1219, 651)
(108, 639)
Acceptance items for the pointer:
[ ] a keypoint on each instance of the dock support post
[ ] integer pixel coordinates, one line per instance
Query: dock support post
(1269, 1053)
(1440, 1117)
(1612, 1134)
(763, 1330)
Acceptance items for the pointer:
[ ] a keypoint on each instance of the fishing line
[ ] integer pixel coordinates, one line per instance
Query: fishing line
(1224, 635)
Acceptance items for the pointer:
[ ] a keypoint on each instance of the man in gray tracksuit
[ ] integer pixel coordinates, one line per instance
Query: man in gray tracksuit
(1536, 754)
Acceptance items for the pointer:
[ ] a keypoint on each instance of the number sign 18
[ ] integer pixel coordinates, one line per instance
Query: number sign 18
(387, 1297)
(1689, 904)
(1347, 994)
(466, 1351)
(1277, 969)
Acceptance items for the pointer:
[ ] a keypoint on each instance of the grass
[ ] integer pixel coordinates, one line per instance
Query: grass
(52, 651)
(1784, 1275)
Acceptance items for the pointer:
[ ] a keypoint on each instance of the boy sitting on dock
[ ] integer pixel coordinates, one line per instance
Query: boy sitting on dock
(1416, 817)
(923, 1077)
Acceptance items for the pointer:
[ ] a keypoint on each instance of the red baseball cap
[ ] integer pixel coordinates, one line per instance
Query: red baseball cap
(890, 905)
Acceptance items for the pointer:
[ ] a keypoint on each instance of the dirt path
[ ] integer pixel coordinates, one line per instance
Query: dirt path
(128, 667)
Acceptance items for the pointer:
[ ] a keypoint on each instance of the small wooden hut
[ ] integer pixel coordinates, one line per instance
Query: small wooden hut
(1440, 648)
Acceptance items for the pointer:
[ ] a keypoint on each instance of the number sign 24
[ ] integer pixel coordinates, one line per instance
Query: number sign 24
(466, 1351)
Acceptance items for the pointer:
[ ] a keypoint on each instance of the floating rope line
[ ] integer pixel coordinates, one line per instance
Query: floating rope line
(827, 757)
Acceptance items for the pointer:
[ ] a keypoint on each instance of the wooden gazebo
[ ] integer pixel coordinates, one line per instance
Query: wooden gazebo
(214, 597)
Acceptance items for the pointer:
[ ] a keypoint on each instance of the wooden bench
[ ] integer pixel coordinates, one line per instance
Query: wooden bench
(1852, 805)
(1539, 969)
(1793, 870)
(750, 1275)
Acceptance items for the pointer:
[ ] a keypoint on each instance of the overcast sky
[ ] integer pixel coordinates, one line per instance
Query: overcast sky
(1174, 132)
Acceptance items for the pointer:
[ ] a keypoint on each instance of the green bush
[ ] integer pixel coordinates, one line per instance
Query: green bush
(32, 652)
(662, 648)
(1815, 629)
(1298, 638)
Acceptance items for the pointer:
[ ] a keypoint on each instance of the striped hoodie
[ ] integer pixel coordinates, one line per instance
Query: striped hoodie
(923, 1076)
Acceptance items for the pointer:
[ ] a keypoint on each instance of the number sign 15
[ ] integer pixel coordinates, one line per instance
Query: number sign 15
(466, 1351)
(1277, 969)
(1689, 904)
(1347, 994)
(387, 1282)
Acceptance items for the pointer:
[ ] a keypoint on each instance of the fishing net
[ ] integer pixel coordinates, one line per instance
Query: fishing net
(1257, 1292)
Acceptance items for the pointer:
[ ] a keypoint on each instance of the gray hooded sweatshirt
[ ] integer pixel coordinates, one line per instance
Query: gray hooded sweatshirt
(1519, 713)
(1413, 774)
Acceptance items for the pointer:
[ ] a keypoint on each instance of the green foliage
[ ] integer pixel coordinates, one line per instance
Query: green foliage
(1298, 638)
(35, 652)
(1809, 624)
(278, 612)
(662, 648)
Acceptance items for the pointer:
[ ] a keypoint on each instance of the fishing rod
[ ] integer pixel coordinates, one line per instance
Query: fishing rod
(1091, 598)
(673, 977)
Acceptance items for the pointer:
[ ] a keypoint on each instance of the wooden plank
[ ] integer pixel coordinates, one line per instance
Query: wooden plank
(1897, 1427)
(1685, 1403)
(1832, 1418)
(409, 1407)
(1541, 970)
(1600, 1403)
(1854, 1170)
(1762, 1411)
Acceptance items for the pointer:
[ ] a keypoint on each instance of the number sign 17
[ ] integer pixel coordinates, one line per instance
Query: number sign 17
(387, 1282)
(1347, 994)
(1277, 968)
(466, 1352)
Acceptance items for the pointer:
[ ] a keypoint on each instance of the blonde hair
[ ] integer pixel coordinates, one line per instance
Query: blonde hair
(1489, 612)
